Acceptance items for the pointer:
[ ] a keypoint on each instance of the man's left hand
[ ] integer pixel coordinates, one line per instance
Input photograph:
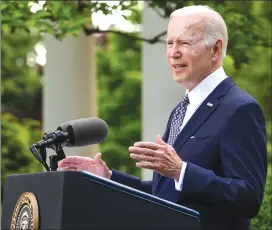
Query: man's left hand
(158, 156)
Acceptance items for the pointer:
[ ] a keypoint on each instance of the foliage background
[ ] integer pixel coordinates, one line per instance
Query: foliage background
(248, 62)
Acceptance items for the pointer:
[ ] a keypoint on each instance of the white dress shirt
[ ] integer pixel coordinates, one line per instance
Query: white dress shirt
(196, 96)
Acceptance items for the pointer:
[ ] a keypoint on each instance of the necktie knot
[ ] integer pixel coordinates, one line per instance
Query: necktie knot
(185, 101)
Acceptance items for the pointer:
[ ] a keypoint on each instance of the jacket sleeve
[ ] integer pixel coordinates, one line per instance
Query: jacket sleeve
(131, 181)
(243, 157)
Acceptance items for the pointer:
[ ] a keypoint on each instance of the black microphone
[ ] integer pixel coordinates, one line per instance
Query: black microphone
(86, 131)
(77, 133)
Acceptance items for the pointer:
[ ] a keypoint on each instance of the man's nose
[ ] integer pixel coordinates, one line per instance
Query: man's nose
(175, 52)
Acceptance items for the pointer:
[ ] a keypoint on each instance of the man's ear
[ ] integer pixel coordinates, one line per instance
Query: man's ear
(217, 50)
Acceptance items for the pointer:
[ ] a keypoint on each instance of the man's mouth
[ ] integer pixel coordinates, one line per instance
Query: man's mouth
(179, 66)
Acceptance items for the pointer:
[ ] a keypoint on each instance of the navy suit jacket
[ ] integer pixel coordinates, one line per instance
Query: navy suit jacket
(224, 146)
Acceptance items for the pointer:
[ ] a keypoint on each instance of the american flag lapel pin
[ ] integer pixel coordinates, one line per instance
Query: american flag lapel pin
(210, 104)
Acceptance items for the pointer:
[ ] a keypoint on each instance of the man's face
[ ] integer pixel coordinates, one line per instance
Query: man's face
(189, 59)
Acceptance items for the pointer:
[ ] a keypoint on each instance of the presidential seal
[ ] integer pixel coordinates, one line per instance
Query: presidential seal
(26, 213)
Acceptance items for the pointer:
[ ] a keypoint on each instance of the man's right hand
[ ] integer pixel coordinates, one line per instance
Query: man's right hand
(77, 163)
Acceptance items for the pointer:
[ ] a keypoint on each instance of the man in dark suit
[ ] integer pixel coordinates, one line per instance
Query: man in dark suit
(212, 157)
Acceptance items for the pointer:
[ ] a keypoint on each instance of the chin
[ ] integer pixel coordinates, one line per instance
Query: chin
(184, 81)
(181, 79)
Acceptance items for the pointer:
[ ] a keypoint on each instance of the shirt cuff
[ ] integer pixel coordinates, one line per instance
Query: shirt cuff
(179, 183)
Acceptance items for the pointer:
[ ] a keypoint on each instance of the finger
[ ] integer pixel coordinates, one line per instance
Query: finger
(97, 158)
(159, 140)
(146, 165)
(142, 157)
(67, 169)
(72, 159)
(149, 145)
(68, 164)
(83, 161)
(143, 151)
(81, 167)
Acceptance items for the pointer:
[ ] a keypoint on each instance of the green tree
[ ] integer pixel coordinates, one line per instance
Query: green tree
(21, 82)
(16, 136)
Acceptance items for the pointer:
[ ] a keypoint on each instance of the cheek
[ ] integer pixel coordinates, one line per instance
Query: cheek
(194, 56)
(168, 53)
(189, 57)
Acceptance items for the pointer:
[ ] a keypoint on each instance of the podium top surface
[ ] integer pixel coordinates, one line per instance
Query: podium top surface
(140, 194)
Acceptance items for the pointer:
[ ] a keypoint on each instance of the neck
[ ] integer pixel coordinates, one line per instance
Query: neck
(191, 85)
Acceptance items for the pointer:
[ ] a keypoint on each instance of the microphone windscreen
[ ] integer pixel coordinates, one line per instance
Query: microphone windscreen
(86, 131)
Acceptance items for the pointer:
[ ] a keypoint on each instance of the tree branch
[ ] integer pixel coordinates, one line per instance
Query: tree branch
(155, 39)
(159, 13)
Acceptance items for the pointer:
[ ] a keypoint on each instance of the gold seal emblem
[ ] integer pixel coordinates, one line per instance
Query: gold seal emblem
(26, 213)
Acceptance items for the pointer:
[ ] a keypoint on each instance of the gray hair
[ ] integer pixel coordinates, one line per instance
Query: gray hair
(215, 25)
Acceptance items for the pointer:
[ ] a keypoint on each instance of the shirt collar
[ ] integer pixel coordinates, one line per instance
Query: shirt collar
(206, 86)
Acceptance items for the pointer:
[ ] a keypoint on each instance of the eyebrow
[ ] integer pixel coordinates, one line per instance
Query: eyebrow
(179, 38)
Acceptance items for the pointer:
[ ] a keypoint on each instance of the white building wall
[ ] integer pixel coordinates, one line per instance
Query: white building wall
(69, 90)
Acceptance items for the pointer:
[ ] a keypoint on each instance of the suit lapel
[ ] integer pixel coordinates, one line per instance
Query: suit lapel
(205, 110)
(202, 113)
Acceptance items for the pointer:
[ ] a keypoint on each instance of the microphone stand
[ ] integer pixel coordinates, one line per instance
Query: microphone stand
(55, 158)
(39, 151)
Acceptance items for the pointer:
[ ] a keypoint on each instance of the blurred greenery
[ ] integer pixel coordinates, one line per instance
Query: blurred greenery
(20, 103)
(16, 137)
(20, 78)
(248, 61)
(120, 99)
(263, 220)
(59, 18)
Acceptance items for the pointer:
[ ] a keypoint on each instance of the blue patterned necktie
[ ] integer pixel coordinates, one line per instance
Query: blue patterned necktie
(177, 120)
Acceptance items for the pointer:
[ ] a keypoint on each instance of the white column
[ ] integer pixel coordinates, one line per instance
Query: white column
(160, 93)
(69, 90)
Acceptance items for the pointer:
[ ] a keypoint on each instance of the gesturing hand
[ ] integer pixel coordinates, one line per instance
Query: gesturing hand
(77, 163)
(158, 156)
